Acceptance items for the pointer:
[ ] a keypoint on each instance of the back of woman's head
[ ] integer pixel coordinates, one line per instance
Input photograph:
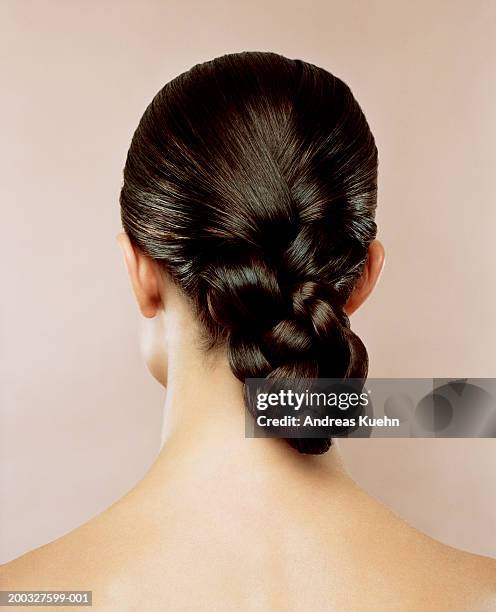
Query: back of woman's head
(253, 179)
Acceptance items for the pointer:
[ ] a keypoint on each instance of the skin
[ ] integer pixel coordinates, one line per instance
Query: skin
(221, 522)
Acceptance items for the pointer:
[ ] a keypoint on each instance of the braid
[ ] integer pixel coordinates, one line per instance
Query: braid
(278, 332)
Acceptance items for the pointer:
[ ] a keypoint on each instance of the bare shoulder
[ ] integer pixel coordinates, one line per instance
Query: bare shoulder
(481, 569)
(90, 558)
(470, 580)
(442, 577)
(103, 555)
(19, 574)
(57, 565)
(78, 560)
(125, 556)
(410, 566)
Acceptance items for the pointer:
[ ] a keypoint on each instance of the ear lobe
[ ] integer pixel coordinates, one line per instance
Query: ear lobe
(144, 277)
(368, 279)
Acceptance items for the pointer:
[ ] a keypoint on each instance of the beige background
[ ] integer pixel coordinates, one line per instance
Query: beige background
(80, 417)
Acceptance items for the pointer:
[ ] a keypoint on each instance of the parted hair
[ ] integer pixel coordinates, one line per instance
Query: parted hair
(252, 178)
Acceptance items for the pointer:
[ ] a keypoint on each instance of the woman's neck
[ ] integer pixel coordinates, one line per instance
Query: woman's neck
(204, 414)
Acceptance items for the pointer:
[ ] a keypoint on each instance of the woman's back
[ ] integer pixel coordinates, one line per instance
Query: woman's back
(219, 537)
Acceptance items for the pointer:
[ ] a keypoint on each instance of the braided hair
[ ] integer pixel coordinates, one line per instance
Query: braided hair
(252, 178)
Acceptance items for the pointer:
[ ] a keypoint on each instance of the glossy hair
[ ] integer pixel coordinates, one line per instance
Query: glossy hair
(253, 179)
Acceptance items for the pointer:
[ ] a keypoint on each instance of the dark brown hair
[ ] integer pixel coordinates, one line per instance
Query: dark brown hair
(253, 179)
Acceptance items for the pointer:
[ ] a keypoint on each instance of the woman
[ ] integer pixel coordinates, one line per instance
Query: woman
(248, 207)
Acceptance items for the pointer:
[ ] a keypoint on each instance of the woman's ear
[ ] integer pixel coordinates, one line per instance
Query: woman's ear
(144, 276)
(369, 277)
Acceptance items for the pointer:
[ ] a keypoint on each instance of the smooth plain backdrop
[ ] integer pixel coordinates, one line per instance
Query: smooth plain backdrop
(80, 416)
